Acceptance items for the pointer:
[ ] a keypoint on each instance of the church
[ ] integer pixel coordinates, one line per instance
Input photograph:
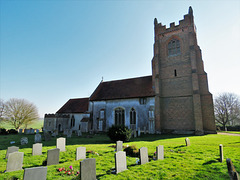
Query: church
(174, 99)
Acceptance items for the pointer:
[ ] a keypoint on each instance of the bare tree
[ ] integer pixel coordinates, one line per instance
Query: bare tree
(20, 112)
(1, 109)
(227, 109)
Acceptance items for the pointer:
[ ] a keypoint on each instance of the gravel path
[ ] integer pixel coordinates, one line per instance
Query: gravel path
(230, 134)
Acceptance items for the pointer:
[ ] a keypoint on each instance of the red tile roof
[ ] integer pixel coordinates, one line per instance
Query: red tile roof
(124, 89)
(79, 105)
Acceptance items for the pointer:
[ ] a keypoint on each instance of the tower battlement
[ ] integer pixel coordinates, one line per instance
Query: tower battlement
(187, 21)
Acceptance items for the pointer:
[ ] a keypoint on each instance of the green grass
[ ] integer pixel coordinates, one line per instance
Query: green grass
(200, 160)
(38, 124)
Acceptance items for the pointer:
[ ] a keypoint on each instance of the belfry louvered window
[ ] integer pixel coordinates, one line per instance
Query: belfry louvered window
(174, 47)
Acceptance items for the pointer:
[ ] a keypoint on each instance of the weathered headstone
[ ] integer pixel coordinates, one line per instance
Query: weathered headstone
(139, 131)
(160, 152)
(69, 133)
(79, 133)
(119, 145)
(143, 155)
(11, 149)
(88, 169)
(231, 170)
(37, 149)
(120, 161)
(53, 156)
(81, 153)
(135, 133)
(61, 142)
(221, 152)
(20, 131)
(187, 141)
(37, 138)
(24, 140)
(65, 132)
(36, 173)
(47, 136)
(145, 131)
(15, 161)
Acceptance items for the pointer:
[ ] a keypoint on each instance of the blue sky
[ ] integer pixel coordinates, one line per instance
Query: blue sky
(51, 51)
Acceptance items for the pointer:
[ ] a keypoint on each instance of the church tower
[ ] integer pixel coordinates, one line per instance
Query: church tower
(183, 102)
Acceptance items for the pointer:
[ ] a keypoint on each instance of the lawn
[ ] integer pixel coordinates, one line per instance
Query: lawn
(38, 124)
(200, 160)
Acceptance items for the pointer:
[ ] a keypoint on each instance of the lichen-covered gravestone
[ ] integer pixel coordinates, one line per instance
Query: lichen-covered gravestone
(24, 140)
(119, 145)
(120, 161)
(160, 152)
(37, 149)
(53, 156)
(143, 155)
(15, 161)
(38, 138)
(81, 153)
(61, 142)
(11, 149)
(36, 173)
(88, 169)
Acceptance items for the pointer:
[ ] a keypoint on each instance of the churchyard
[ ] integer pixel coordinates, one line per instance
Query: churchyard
(199, 160)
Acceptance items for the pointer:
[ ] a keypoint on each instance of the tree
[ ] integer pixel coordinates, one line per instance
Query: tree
(227, 109)
(20, 112)
(2, 106)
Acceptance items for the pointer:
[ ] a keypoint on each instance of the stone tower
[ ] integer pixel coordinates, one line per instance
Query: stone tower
(183, 103)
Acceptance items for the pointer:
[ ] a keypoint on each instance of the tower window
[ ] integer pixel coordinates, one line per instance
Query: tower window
(174, 47)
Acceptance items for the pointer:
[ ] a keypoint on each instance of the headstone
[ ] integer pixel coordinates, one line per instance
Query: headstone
(145, 131)
(81, 153)
(231, 170)
(135, 133)
(24, 140)
(37, 131)
(69, 133)
(160, 152)
(221, 152)
(79, 133)
(37, 149)
(65, 132)
(139, 131)
(119, 145)
(88, 169)
(11, 149)
(37, 138)
(47, 136)
(120, 161)
(36, 173)
(187, 141)
(20, 131)
(15, 161)
(143, 155)
(61, 142)
(53, 156)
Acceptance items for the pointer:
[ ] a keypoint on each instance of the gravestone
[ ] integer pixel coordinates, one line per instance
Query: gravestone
(61, 142)
(160, 152)
(53, 156)
(36, 173)
(65, 132)
(135, 133)
(139, 131)
(119, 145)
(20, 131)
(47, 136)
(143, 155)
(187, 141)
(231, 170)
(15, 161)
(69, 133)
(88, 169)
(24, 140)
(81, 153)
(145, 131)
(79, 133)
(11, 149)
(37, 131)
(120, 161)
(37, 138)
(221, 152)
(37, 149)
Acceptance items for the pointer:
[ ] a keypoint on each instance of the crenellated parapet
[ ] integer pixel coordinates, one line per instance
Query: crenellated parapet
(186, 22)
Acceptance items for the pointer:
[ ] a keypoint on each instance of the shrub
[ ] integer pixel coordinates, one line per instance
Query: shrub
(132, 151)
(121, 133)
(12, 131)
(3, 131)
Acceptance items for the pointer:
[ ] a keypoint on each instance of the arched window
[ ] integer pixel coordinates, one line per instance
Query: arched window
(132, 117)
(119, 117)
(174, 47)
(72, 121)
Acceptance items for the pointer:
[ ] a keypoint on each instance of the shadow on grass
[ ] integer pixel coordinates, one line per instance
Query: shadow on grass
(211, 162)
